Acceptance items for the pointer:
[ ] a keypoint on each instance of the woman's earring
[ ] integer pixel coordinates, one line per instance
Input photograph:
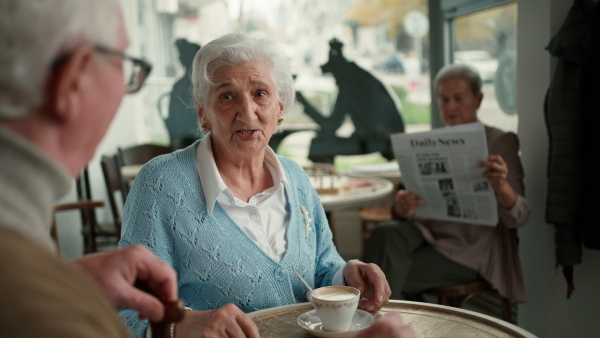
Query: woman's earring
(204, 127)
(279, 120)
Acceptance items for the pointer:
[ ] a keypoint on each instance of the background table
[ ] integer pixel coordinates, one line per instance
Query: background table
(339, 192)
(427, 320)
(388, 170)
(361, 189)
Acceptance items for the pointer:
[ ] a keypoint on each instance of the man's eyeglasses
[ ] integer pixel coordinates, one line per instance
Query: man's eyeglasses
(135, 70)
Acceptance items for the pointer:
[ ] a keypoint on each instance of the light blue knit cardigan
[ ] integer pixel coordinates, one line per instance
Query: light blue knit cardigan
(216, 262)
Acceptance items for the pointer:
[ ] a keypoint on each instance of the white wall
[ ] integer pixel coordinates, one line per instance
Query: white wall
(547, 313)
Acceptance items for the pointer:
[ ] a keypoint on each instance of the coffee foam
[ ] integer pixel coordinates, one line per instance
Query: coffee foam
(334, 293)
(332, 296)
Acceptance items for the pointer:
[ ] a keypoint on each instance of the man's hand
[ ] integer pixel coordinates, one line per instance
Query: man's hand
(117, 271)
(370, 280)
(497, 175)
(226, 321)
(497, 171)
(389, 326)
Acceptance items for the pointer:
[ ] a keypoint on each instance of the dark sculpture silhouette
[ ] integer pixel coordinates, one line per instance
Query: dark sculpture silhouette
(182, 122)
(364, 98)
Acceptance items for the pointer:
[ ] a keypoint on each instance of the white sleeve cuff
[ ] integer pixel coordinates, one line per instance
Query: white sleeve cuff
(338, 278)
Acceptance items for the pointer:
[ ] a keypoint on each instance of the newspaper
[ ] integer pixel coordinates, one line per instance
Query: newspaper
(440, 167)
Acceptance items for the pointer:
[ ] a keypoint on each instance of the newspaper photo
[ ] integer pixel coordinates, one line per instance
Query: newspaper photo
(440, 167)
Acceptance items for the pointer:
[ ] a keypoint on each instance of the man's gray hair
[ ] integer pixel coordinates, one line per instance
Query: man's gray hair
(460, 70)
(235, 49)
(35, 33)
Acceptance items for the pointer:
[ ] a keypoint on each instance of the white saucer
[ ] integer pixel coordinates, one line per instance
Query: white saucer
(311, 322)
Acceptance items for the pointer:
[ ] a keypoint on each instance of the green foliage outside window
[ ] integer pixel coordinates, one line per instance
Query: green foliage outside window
(412, 113)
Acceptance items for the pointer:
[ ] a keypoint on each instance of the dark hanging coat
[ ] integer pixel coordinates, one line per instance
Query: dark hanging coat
(572, 113)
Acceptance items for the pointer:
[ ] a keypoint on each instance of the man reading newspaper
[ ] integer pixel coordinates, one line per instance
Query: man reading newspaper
(456, 223)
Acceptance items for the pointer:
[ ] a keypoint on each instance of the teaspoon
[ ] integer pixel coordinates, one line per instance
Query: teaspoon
(302, 279)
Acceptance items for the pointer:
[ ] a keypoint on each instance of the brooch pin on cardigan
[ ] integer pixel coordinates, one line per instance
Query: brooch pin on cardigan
(307, 220)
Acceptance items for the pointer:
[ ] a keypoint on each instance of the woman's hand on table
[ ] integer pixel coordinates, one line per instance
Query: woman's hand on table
(496, 174)
(371, 281)
(389, 326)
(226, 321)
(405, 202)
(117, 271)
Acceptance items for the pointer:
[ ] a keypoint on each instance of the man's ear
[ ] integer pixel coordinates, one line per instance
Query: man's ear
(479, 98)
(66, 88)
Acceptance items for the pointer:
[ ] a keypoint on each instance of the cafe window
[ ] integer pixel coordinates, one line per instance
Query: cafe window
(374, 35)
(483, 34)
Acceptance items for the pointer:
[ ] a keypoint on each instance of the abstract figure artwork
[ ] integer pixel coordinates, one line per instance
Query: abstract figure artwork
(365, 100)
(182, 122)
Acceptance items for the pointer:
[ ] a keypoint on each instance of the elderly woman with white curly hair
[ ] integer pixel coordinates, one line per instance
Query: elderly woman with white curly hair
(230, 215)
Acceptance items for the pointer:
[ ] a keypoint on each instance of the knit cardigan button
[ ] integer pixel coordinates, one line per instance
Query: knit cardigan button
(279, 274)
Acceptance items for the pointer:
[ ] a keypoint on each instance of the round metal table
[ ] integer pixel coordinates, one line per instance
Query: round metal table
(427, 320)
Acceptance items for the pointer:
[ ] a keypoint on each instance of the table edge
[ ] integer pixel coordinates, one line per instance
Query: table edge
(489, 320)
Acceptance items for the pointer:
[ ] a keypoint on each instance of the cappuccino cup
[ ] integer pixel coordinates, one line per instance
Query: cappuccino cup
(335, 305)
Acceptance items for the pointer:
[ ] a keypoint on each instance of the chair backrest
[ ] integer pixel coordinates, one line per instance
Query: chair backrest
(114, 184)
(141, 154)
(86, 208)
(86, 205)
(82, 184)
(84, 193)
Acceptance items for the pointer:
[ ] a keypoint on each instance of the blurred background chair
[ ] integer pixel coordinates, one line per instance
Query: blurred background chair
(86, 208)
(114, 187)
(95, 234)
(142, 153)
(139, 155)
(370, 216)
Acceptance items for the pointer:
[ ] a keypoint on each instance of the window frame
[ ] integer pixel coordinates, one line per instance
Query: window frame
(441, 18)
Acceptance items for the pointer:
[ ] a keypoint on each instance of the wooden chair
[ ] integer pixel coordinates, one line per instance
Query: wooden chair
(142, 153)
(139, 154)
(113, 182)
(92, 230)
(83, 207)
(370, 218)
(459, 295)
